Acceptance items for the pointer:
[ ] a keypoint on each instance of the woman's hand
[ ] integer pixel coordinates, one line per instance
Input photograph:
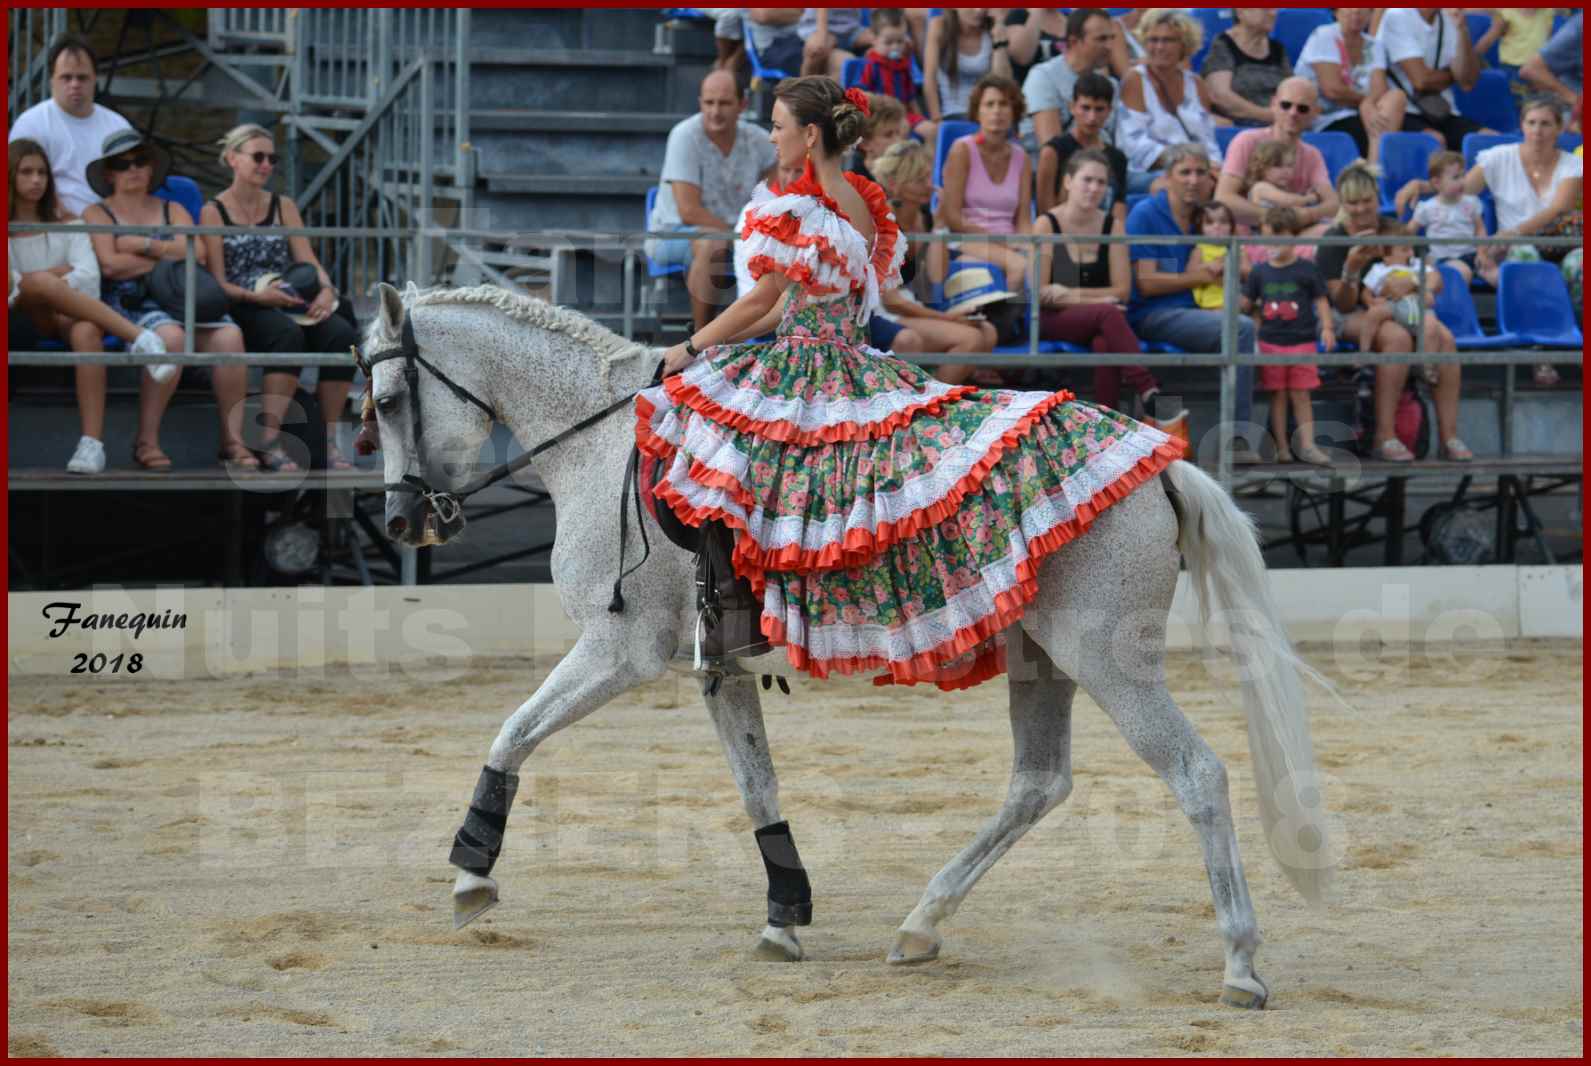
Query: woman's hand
(1359, 257)
(323, 304)
(676, 359)
(1055, 295)
(279, 297)
(1411, 191)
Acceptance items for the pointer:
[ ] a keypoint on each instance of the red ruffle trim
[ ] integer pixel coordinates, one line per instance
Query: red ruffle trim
(782, 227)
(692, 397)
(800, 273)
(860, 546)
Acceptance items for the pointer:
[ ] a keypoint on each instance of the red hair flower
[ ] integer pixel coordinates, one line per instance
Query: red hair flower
(859, 98)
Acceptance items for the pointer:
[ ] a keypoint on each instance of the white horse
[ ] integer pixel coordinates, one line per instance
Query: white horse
(1098, 620)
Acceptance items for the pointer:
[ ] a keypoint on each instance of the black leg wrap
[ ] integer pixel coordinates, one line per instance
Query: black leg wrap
(478, 842)
(789, 891)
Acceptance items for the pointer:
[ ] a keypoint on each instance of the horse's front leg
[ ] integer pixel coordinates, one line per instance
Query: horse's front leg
(1041, 779)
(601, 665)
(737, 713)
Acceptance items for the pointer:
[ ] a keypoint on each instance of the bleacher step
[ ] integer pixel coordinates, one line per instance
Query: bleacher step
(512, 120)
(565, 57)
(571, 184)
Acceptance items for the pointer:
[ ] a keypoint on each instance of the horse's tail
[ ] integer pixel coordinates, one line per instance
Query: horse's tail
(1228, 573)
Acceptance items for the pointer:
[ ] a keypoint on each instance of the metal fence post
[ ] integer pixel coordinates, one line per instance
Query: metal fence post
(1229, 335)
(422, 208)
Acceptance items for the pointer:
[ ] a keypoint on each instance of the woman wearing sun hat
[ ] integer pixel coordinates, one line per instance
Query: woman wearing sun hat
(125, 176)
(276, 316)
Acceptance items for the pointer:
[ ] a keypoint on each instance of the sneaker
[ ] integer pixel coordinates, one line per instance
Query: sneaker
(149, 343)
(89, 457)
(1242, 453)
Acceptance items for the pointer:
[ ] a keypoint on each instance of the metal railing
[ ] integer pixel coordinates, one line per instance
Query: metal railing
(29, 34)
(251, 26)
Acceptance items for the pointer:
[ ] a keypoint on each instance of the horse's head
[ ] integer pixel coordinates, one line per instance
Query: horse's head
(427, 416)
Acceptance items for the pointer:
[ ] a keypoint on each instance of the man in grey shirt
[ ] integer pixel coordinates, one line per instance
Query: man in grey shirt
(711, 165)
(1556, 68)
(1048, 89)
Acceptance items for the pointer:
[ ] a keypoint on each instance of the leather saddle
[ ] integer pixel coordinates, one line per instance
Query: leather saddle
(728, 613)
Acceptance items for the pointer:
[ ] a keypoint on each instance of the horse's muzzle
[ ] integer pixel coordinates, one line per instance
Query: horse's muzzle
(413, 522)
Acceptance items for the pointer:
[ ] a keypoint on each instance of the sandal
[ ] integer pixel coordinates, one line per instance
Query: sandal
(1314, 456)
(1546, 375)
(150, 457)
(237, 457)
(1456, 451)
(276, 461)
(336, 460)
(1393, 450)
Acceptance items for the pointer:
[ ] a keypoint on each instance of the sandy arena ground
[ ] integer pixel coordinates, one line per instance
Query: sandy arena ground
(258, 867)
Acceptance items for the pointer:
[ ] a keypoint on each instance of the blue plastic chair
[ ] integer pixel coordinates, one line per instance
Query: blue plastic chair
(1533, 302)
(949, 131)
(1476, 143)
(654, 269)
(1456, 309)
(851, 73)
(1404, 157)
(758, 70)
(184, 191)
(1338, 148)
(1214, 24)
(1569, 141)
(1490, 103)
(1225, 135)
(1295, 24)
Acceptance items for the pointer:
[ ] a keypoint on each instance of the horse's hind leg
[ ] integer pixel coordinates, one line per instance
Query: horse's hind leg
(737, 713)
(1101, 614)
(598, 668)
(1041, 779)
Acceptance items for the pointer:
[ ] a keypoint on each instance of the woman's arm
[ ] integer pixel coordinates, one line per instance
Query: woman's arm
(931, 70)
(1566, 197)
(1335, 87)
(1120, 271)
(745, 313)
(1049, 165)
(1264, 194)
(1228, 103)
(177, 247)
(1044, 227)
(999, 44)
(82, 267)
(766, 324)
(114, 263)
(1024, 201)
(326, 299)
(952, 202)
(1024, 39)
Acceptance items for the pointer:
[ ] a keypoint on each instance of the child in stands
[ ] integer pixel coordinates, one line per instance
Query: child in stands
(887, 70)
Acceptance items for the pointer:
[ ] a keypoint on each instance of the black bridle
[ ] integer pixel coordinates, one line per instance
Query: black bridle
(449, 506)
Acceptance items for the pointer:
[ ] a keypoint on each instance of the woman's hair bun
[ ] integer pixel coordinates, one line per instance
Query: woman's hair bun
(848, 123)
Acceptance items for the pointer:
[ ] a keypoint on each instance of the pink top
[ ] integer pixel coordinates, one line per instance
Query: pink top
(991, 207)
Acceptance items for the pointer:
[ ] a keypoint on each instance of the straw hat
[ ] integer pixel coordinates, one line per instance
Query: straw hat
(125, 140)
(970, 288)
(305, 280)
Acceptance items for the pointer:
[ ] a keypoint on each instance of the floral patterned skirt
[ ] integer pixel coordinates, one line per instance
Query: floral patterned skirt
(889, 521)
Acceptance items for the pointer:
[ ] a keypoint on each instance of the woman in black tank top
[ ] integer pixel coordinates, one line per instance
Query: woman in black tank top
(272, 319)
(1087, 284)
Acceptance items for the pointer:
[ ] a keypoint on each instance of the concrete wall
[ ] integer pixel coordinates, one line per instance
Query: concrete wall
(306, 630)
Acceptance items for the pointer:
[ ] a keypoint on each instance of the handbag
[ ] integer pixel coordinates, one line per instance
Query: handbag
(1433, 106)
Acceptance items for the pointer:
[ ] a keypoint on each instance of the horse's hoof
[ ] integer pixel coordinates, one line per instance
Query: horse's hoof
(911, 948)
(778, 944)
(473, 896)
(1245, 997)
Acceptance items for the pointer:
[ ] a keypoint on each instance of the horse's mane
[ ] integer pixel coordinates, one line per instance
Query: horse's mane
(609, 346)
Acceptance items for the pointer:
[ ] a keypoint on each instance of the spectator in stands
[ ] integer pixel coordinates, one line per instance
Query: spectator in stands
(885, 127)
(964, 45)
(906, 173)
(275, 317)
(1091, 101)
(1292, 112)
(711, 164)
(1049, 86)
(830, 36)
(1163, 104)
(975, 201)
(1522, 31)
(1344, 268)
(1450, 213)
(1244, 67)
(70, 125)
(1162, 308)
(775, 35)
(1556, 69)
(728, 39)
(1085, 286)
(1428, 52)
(125, 175)
(887, 70)
(1349, 70)
(1037, 35)
(55, 295)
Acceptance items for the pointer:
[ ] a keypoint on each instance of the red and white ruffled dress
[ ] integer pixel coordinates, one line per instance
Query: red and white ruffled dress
(889, 521)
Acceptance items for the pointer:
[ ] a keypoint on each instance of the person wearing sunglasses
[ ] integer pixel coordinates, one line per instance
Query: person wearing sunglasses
(125, 176)
(1293, 110)
(275, 317)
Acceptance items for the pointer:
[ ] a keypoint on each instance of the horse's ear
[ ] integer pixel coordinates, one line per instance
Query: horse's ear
(391, 309)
